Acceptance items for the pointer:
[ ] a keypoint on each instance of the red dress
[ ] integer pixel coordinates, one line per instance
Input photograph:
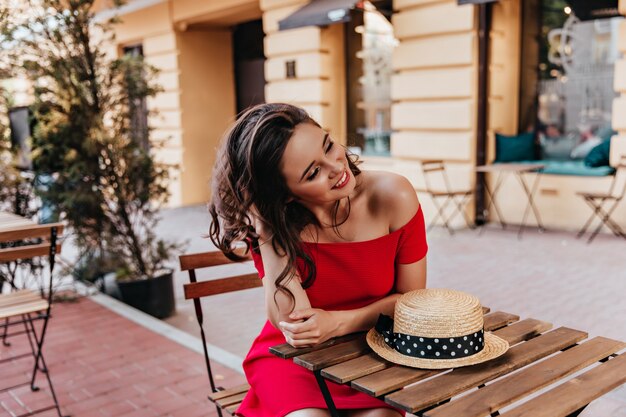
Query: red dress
(350, 275)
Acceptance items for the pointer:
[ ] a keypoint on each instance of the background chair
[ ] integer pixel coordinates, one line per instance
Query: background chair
(225, 399)
(443, 195)
(604, 204)
(23, 307)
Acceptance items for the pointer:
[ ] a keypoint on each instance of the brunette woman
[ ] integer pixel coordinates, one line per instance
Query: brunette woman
(335, 248)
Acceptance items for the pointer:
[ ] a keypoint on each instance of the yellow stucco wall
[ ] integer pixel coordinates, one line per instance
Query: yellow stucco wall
(434, 93)
(196, 74)
(207, 105)
(319, 86)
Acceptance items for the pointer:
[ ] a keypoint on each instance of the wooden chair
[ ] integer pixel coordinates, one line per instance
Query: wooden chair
(604, 204)
(443, 195)
(25, 306)
(226, 400)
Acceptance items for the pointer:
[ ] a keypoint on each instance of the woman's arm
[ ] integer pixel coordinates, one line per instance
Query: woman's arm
(400, 202)
(278, 305)
(320, 325)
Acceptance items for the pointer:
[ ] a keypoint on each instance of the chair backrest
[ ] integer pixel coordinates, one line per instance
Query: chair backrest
(195, 290)
(430, 168)
(29, 241)
(46, 235)
(618, 186)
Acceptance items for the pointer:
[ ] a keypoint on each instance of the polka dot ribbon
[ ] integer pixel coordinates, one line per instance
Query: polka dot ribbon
(427, 347)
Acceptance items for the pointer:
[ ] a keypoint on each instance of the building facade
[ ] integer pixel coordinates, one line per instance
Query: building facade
(434, 88)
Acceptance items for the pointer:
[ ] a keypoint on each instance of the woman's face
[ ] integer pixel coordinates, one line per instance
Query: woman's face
(316, 169)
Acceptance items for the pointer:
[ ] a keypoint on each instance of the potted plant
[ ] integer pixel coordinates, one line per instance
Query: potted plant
(92, 139)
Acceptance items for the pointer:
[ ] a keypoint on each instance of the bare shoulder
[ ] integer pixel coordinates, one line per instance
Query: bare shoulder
(392, 196)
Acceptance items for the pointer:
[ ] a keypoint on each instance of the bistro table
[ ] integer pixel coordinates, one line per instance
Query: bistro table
(518, 170)
(538, 358)
(10, 221)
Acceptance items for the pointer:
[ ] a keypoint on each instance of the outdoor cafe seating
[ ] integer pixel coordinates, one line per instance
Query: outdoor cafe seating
(604, 204)
(23, 309)
(449, 202)
(540, 358)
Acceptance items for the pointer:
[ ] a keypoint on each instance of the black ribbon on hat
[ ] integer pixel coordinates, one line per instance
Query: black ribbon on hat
(417, 346)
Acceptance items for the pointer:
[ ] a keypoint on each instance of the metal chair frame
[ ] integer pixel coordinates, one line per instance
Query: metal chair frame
(457, 198)
(29, 306)
(603, 205)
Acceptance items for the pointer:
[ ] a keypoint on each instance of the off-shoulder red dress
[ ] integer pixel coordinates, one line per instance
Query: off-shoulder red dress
(349, 275)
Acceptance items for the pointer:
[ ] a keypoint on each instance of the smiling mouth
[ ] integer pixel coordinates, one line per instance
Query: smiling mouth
(343, 180)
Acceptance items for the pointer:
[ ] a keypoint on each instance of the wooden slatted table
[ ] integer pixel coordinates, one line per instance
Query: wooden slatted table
(539, 358)
(10, 221)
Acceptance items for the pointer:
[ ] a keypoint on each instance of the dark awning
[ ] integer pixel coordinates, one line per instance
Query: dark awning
(596, 9)
(320, 13)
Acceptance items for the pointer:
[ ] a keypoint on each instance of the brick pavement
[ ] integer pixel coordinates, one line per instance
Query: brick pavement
(104, 365)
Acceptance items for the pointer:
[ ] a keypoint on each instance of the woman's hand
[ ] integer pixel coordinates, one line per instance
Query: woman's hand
(311, 326)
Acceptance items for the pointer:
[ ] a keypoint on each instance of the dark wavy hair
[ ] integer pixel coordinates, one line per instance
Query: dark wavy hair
(247, 174)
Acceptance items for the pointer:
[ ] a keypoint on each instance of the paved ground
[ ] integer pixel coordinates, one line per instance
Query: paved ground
(550, 276)
(104, 365)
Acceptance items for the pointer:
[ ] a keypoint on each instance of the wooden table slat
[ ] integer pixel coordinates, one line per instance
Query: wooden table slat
(523, 330)
(499, 319)
(214, 396)
(25, 308)
(572, 395)
(317, 360)
(286, 351)
(503, 392)
(9, 221)
(396, 377)
(355, 368)
(18, 297)
(428, 393)
(391, 379)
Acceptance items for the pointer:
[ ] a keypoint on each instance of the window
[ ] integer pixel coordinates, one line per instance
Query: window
(575, 85)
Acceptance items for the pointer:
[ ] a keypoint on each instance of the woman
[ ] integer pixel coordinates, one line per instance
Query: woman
(334, 246)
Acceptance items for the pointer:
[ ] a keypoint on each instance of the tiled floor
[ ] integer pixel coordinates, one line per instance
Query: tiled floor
(104, 365)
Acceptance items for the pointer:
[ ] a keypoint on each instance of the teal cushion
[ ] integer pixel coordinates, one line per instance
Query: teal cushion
(575, 168)
(515, 148)
(599, 156)
(578, 168)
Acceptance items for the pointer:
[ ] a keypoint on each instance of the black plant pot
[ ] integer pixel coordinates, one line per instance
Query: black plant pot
(154, 296)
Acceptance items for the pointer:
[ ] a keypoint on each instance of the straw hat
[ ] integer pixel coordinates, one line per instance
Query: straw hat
(435, 329)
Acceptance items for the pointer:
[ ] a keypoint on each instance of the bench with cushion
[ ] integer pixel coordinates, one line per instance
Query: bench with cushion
(577, 168)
